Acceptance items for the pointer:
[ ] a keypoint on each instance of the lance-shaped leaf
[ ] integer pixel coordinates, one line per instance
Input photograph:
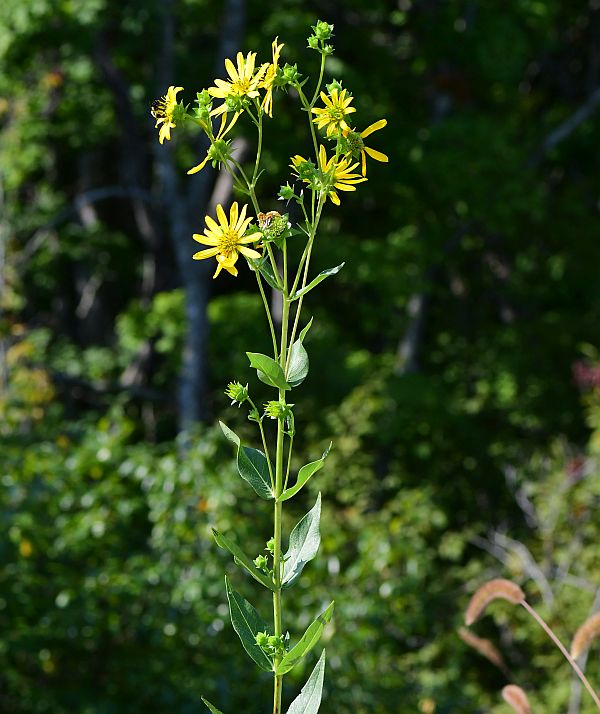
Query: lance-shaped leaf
(267, 370)
(251, 464)
(212, 708)
(298, 366)
(320, 277)
(308, 640)
(304, 474)
(309, 699)
(263, 267)
(242, 559)
(247, 623)
(304, 544)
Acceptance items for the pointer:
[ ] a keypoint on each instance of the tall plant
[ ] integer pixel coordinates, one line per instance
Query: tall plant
(263, 241)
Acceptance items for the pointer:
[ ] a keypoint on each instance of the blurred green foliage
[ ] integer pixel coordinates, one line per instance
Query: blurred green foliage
(441, 362)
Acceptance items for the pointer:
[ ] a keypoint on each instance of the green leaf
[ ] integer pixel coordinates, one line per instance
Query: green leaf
(247, 623)
(253, 467)
(298, 367)
(309, 699)
(308, 640)
(232, 436)
(242, 559)
(264, 268)
(304, 474)
(267, 370)
(320, 277)
(213, 709)
(304, 544)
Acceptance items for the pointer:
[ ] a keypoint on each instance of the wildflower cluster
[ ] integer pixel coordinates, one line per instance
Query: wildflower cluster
(260, 234)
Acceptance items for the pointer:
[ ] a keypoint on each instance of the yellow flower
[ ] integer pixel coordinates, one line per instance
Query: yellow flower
(333, 114)
(162, 110)
(356, 145)
(267, 82)
(338, 174)
(227, 239)
(243, 82)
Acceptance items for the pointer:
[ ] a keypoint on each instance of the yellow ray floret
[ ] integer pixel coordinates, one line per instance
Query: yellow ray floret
(162, 110)
(333, 114)
(338, 174)
(243, 81)
(227, 239)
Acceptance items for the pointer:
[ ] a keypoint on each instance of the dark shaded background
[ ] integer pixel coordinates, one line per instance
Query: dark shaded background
(452, 360)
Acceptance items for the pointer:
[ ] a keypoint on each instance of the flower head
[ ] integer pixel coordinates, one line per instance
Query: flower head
(162, 110)
(269, 78)
(333, 114)
(337, 174)
(227, 239)
(237, 393)
(243, 81)
(355, 146)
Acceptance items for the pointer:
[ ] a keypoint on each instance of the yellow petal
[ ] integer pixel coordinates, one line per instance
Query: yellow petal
(374, 127)
(200, 166)
(221, 216)
(334, 198)
(208, 253)
(242, 219)
(213, 225)
(249, 253)
(377, 155)
(205, 240)
(230, 67)
(233, 214)
(250, 238)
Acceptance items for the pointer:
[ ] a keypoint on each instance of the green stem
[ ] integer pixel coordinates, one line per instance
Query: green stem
(264, 442)
(305, 275)
(269, 318)
(277, 559)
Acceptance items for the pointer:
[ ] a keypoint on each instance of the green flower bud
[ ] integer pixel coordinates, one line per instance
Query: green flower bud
(313, 42)
(287, 75)
(336, 85)
(237, 393)
(271, 545)
(323, 30)
(278, 410)
(220, 151)
(203, 98)
(261, 562)
(262, 639)
(286, 193)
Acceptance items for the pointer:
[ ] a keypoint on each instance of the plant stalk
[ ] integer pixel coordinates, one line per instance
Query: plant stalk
(563, 649)
(279, 476)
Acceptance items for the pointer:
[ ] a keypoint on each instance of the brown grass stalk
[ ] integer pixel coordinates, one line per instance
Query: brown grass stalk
(490, 591)
(563, 649)
(517, 699)
(484, 647)
(585, 635)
